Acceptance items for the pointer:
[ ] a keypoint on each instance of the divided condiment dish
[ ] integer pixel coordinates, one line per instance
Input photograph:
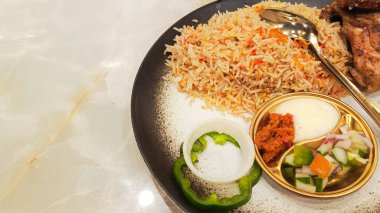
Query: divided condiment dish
(338, 186)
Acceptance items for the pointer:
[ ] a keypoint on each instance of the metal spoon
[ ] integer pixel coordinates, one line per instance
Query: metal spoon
(297, 26)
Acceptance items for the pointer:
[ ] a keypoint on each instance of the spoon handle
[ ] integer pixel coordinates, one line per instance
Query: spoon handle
(367, 105)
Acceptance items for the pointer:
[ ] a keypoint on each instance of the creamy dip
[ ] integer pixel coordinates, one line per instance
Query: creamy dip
(312, 117)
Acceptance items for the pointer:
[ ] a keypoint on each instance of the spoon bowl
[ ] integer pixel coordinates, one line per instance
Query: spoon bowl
(291, 24)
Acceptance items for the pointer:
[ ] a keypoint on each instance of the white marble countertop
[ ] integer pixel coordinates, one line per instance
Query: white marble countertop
(67, 69)
(66, 73)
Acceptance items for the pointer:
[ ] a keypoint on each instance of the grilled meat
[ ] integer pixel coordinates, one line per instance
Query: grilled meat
(362, 29)
(361, 4)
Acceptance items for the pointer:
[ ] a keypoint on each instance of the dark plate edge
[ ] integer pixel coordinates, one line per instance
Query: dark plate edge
(134, 98)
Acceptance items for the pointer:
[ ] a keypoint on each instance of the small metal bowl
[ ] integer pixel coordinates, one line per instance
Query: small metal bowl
(338, 186)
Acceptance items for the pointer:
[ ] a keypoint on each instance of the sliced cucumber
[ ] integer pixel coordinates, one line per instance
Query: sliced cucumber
(324, 148)
(355, 159)
(333, 167)
(307, 170)
(289, 159)
(344, 144)
(301, 175)
(345, 170)
(358, 143)
(305, 187)
(360, 153)
(302, 155)
(340, 154)
(288, 172)
(306, 180)
(365, 139)
(320, 183)
(355, 138)
(330, 159)
(351, 133)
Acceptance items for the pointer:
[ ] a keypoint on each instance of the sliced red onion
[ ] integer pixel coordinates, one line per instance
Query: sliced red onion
(344, 129)
(337, 169)
(366, 140)
(342, 137)
(345, 144)
(330, 135)
(330, 140)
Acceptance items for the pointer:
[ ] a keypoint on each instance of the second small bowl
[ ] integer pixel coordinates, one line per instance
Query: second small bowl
(228, 127)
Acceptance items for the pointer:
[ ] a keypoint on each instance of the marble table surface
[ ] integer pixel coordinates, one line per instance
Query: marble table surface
(67, 69)
(66, 73)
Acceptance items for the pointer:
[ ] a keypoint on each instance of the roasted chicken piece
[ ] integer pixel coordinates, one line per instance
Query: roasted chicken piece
(363, 32)
(362, 4)
(362, 29)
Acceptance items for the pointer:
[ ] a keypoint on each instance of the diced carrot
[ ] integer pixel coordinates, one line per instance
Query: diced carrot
(299, 42)
(258, 61)
(297, 61)
(254, 62)
(230, 76)
(321, 44)
(323, 80)
(320, 166)
(277, 33)
(259, 31)
(202, 59)
(182, 82)
(257, 77)
(242, 28)
(259, 8)
(253, 52)
(304, 56)
(249, 42)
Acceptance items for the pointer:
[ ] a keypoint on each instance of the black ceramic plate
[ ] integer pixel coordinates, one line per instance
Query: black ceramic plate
(146, 87)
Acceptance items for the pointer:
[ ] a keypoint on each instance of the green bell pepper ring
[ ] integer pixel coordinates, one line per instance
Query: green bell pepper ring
(212, 201)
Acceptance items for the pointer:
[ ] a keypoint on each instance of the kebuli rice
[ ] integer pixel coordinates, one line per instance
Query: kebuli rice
(236, 62)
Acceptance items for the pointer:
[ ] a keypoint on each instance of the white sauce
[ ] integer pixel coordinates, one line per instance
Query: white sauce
(219, 160)
(312, 117)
